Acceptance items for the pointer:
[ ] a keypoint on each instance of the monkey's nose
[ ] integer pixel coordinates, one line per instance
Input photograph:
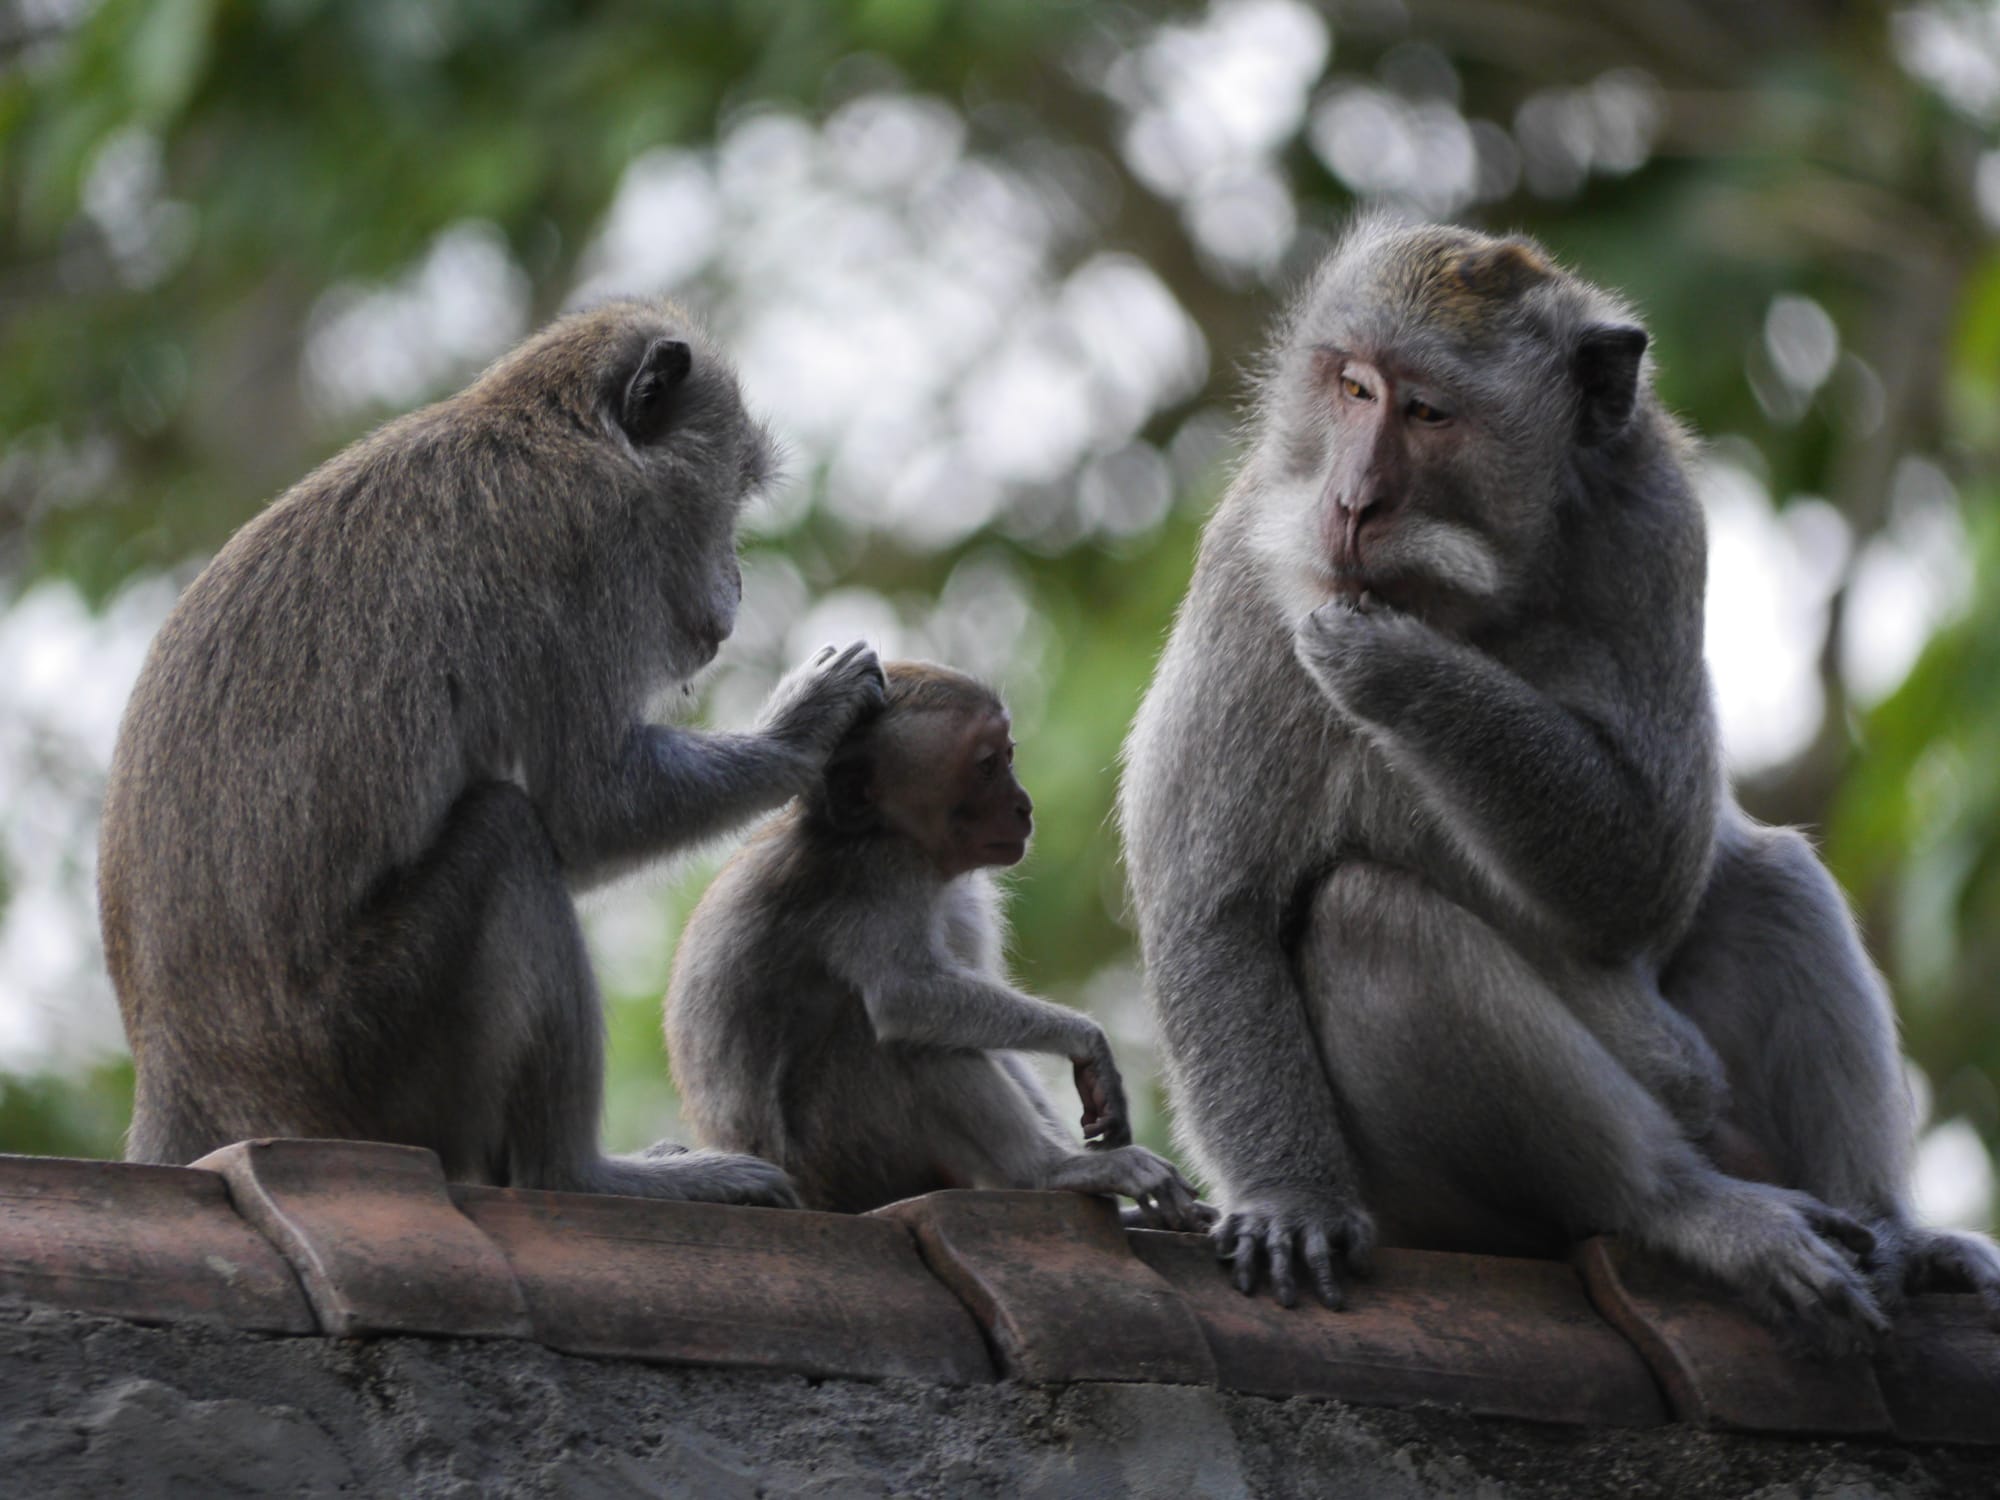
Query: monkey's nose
(1362, 497)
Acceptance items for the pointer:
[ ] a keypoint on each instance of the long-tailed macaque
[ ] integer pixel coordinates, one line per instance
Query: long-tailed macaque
(393, 724)
(837, 1002)
(1454, 930)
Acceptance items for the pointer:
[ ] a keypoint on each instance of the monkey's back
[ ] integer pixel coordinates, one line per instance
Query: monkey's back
(314, 703)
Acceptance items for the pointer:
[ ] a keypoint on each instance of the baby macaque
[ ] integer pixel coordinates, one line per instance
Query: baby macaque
(837, 1005)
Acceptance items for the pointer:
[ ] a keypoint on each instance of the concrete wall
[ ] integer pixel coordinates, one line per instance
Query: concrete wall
(95, 1406)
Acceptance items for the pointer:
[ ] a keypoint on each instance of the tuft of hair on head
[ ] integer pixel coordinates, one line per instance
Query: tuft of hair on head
(926, 687)
(1469, 282)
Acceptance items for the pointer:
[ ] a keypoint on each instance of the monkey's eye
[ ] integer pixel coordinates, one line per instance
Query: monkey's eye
(1355, 390)
(989, 763)
(1421, 410)
(1010, 752)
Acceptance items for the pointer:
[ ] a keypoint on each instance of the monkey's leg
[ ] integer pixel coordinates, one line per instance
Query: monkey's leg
(488, 1036)
(1483, 1108)
(1774, 973)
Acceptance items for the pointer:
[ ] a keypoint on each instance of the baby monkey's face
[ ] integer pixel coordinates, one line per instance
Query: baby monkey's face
(945, 780)
(993, 816)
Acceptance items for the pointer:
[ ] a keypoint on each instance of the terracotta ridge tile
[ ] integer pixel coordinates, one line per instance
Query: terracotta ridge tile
(374, 1237)
(149, 1243)
(709, 1283)
(1051, 1279)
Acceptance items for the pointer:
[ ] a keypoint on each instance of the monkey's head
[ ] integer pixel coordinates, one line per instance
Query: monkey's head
(659, 406)
(934, 767)
(1434, 400)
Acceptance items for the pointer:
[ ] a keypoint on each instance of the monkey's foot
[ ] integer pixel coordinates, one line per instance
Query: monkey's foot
(1920, 1259)
(1797, 1264)
(1276, 1229)
(666, 1171)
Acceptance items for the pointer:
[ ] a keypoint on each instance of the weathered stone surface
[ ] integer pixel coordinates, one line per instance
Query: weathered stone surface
(706, 1283)
(374, 1237)
(1718, 1365)
(1940, 1374)
(1498, 1337)
(1054, 1283)
(156, 1244)
(93, 1406)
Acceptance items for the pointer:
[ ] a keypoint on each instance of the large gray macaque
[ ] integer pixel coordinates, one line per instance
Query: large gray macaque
(1455, 933)
(398, 719)
(837, 1003)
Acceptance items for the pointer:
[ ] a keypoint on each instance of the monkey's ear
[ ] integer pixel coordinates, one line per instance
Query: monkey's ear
(850, 806)
(1605, 366)
(649, 393)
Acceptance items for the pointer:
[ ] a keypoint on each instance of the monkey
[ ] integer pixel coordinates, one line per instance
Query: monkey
(399, 719)
(1456, 935)
(837, 1005)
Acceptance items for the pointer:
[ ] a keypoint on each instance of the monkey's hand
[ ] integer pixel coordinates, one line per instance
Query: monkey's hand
(1106, 1124)
(814, 706)
(1279, 1227)
(1353, 649)
(1165, 1199)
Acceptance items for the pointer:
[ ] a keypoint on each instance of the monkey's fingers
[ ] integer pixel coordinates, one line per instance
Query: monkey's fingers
(862, 655)
(1355, 1240)
(824, 654)
(1099, 1117)
(1830, 1223)
(1184, 1208)
(1319, 1259)
(1278, 1253)
(1236, 1243)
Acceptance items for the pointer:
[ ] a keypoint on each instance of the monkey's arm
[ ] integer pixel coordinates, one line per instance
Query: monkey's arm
(1584, 816)
(912, 995)
(1222, 801)
(664, 787)
(669, 787)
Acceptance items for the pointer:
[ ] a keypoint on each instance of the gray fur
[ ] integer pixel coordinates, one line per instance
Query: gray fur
(393, 724)
(838, 1006)
(1453, 930)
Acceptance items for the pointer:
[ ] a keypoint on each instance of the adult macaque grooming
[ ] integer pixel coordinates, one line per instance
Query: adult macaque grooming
(837, 1005)
(1450, 920)
(391, 726)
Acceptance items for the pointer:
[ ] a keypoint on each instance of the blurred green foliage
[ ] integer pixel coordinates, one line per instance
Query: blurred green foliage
(308, 143)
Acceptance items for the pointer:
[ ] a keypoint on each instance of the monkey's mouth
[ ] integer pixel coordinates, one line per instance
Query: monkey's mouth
(1006, 851)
